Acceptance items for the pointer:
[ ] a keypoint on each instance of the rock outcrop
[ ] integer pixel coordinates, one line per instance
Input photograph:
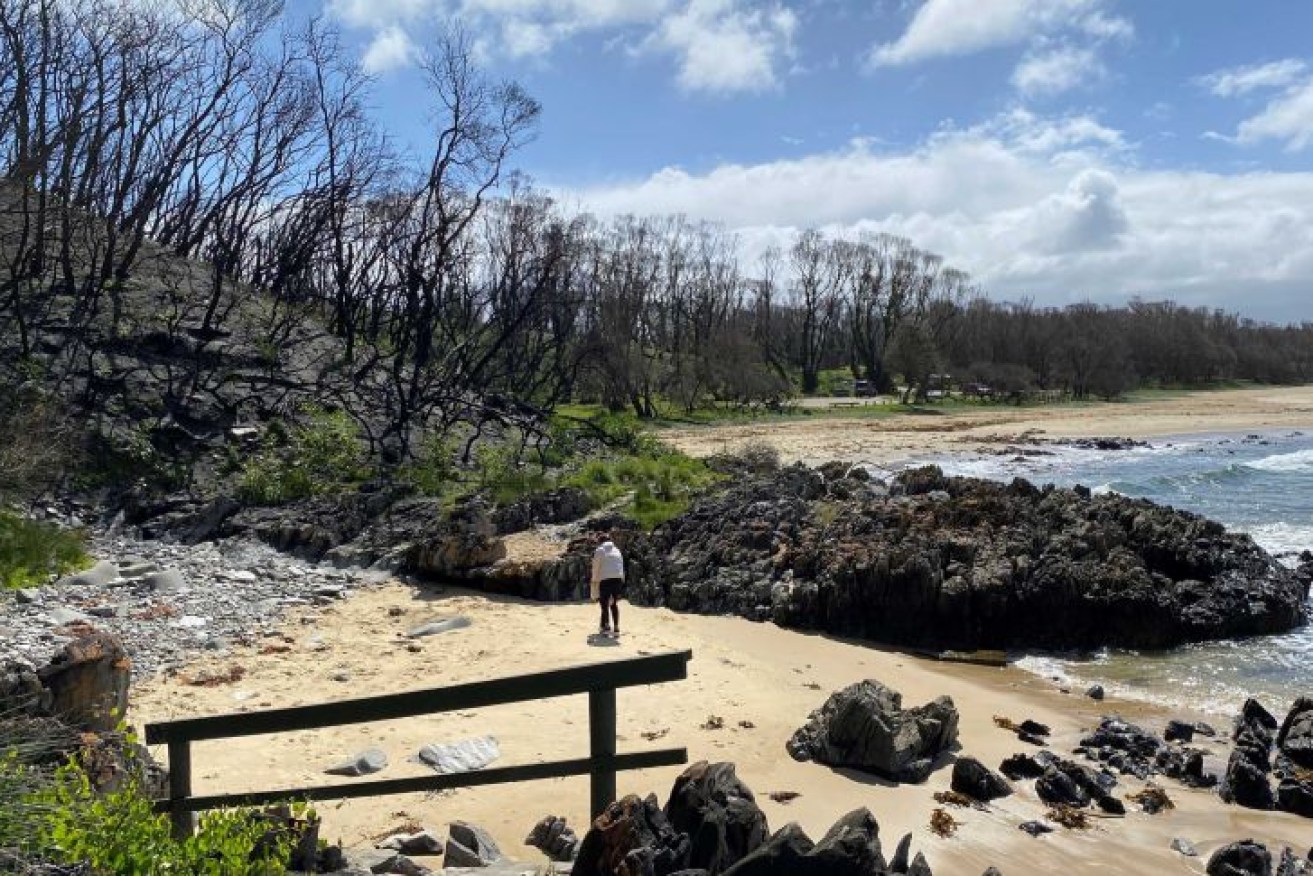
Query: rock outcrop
(865, 727)
(963, 563)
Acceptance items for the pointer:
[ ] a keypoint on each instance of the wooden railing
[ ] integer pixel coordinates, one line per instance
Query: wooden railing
(598, 680)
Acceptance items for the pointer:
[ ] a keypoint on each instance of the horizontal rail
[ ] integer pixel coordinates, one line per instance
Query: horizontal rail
(611, 674)
(525, 773)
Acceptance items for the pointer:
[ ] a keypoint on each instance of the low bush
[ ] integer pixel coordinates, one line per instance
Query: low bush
(32, 551)
(57, 817)
(323, 454)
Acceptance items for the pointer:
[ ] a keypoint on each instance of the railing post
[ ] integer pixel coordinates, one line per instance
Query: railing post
(601, 745)
(180, 788)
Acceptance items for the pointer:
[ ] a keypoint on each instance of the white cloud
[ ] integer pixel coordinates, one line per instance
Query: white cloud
(1054, 209)
(723, 48)
(389, 49)
(943, 28)
(1288, 118)
(1054, 71)
(1288, 115)
(718, 45)
(1242, 80)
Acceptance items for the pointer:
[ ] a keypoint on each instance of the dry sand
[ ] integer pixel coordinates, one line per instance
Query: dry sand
(898, 436)
(741, 672)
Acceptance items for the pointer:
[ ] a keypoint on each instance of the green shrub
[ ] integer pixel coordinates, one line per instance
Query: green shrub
(433, 471)
(31, 551)
(322, 455)
(60, 818)
(661, 482)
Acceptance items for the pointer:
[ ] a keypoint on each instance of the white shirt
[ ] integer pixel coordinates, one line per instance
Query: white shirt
(608, 562)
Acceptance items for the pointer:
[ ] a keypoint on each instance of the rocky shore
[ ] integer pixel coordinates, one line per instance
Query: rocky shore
(168, 602)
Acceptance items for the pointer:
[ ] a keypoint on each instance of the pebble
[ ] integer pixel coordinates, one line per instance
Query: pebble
(168, 602)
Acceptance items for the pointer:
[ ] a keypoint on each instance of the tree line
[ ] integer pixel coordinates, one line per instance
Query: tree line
(426, 294)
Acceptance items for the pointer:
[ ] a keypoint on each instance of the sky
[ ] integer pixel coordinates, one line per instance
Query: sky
(1057, 150)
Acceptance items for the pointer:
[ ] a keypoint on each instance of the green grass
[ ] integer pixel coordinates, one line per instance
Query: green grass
(31, 551)
(655, 487)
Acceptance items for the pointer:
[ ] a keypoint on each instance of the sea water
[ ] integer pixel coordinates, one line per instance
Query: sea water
(1259, 483)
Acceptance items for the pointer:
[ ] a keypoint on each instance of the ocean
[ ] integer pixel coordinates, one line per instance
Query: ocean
(1259, 483)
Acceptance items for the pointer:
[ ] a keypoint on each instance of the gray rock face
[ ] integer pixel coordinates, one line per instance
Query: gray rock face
(463, 756)
(864, 726)
(470, 846)
(363, 764)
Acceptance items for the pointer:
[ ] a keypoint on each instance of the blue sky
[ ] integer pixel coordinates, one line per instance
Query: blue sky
(1055, 149)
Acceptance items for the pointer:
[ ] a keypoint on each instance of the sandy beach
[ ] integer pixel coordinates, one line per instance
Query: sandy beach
(898, 436)
(760, 680)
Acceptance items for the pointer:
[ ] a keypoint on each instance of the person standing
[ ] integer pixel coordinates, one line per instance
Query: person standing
(607, 584)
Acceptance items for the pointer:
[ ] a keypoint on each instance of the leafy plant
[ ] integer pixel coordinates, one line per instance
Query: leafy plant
(321, 455)
(61, 818)
(32, 551)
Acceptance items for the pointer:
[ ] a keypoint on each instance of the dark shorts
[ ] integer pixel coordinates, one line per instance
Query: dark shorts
(611, 588)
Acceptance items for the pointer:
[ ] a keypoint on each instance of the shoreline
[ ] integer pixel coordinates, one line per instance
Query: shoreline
(903, 436)
(742, 671)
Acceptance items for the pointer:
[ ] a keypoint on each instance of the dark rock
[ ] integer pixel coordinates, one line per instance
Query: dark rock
(1295, 796)
(1022, 766)
(469, 845)
(628, 825)
(719, 814)
(555, 506)
(1035, 828)
(87, 682)
(1095, 692)
(992, 871)
(1252, 714)
(850, 848)
(864, 726)
(1034, 728)
(977, 781)
(1246, 781)
(1055, 786)
(902, 854)
(1295, 738)
(1244, 858)
(1179, 731)
(964, 564)
(555, 838)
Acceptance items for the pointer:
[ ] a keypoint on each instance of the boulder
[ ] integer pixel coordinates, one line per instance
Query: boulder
(1246, 781)
(718, 813)
(850, 848)
(1024, 766)
(87, 682)
(1179, 731)
(631, 827)
(1295, 796)
(977, 781)
(363, 764)
(1295, 738)
(1243, 858)
(422, 842)
(1055, 787)
(469, 845)
(463, 756)
(554, 838)
(865, 727)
